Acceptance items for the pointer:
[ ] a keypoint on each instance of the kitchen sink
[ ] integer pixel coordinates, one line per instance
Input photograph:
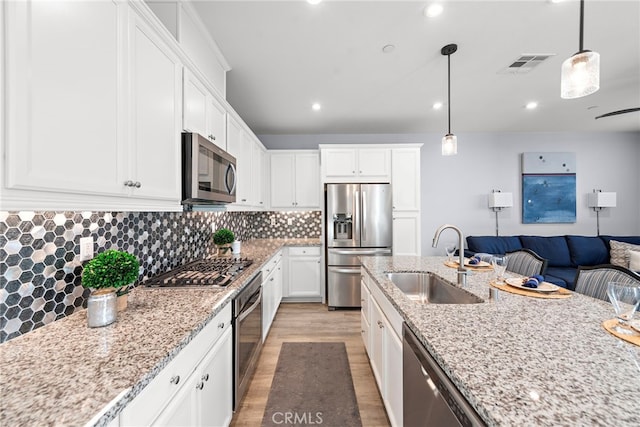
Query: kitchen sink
(429, 288)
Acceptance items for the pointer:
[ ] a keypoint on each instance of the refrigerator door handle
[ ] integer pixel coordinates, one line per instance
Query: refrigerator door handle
(345, 270)
(357, 223)
(364, 216)
(361, 252)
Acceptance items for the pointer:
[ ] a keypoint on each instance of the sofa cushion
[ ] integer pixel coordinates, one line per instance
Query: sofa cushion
(553, 248)
(634, 240)
(586, 250)
(564, 277)
(493, 244)
(620, 252)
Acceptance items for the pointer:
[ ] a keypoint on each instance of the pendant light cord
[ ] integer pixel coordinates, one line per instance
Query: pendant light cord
(449, 90)
(581, 25)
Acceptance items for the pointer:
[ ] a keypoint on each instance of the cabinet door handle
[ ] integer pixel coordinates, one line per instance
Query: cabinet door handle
(137, 184)
(205, 377)
(200, 385)
(175, 379)
(271, 279)
(128, 183)
(221, 325)
(380, 325)
(244, 200)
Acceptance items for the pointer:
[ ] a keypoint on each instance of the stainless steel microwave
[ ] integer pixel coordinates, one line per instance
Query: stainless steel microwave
(208, 172)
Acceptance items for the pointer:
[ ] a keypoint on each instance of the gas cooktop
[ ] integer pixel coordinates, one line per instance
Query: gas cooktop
(218, 272)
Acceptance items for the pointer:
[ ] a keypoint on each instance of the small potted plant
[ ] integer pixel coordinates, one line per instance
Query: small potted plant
(108, 275)
(223, 239)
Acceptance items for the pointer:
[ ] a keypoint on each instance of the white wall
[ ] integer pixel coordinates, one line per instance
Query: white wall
(455, 189)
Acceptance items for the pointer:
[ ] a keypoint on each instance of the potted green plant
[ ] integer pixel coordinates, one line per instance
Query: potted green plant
(223, 239)
(108, 275)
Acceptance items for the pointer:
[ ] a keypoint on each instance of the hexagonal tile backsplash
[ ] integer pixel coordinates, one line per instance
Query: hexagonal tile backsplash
(40, 269)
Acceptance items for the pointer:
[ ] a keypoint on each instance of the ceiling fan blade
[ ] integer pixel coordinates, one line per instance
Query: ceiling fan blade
(615, 113)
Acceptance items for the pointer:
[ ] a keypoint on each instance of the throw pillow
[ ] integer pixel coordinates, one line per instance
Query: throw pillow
(619, 254)
(634, 261)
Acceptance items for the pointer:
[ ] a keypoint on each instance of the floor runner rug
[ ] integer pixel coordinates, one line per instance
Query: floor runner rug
(312, 386)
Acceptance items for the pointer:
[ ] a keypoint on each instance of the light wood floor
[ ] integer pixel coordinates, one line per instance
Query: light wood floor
(313, 322)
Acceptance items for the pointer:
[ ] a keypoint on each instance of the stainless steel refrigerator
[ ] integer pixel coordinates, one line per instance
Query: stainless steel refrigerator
(358, 223)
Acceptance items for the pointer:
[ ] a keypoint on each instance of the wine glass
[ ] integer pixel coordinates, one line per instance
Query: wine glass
(451, 249)
(499, 266)
(625, 298)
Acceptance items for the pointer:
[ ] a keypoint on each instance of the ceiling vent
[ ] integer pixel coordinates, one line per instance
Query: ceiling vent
(525, 63)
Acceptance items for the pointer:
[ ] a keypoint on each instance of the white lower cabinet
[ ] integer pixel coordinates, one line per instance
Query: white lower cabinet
(195, 388)
(381, 334)
(206, 398)
(271, 292)
(406, 233)
(303, 274)
(365, 326)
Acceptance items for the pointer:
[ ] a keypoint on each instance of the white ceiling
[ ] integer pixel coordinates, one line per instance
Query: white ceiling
(285, 55)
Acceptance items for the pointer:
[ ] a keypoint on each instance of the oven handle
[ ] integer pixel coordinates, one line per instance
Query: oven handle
(248, 311)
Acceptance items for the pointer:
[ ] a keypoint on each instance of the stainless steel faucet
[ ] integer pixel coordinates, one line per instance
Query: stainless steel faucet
(462, 272)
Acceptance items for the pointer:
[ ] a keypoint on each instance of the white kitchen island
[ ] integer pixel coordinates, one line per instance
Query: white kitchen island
(521, 360)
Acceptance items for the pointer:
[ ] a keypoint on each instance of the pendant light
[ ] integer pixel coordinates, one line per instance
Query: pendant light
(449, 141)
(581, 72)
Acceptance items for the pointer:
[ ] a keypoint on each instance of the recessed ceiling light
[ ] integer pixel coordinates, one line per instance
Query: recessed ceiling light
(531, 105)
(437, 105)
(313, 1)
(433, 10)
(316, 106)
(388, 48)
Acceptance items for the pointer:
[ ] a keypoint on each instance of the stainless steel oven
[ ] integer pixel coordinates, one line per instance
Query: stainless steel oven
(247, 336)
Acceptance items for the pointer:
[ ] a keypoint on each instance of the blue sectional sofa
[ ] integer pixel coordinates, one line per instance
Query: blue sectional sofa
(564, 254)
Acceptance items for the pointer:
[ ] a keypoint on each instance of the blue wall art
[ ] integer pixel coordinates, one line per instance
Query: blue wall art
(548, 188)
(548, 199)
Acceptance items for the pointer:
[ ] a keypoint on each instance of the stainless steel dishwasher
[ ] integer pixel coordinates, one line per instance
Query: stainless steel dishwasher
(430, 398)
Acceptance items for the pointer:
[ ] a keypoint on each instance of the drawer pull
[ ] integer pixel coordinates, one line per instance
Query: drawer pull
(221, 325)
(200, 385)
(175, 379)
(205, 377)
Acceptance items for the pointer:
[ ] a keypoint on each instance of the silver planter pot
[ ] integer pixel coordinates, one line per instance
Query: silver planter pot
(102, 309)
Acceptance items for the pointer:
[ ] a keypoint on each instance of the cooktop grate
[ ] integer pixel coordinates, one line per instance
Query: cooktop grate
(204, 272)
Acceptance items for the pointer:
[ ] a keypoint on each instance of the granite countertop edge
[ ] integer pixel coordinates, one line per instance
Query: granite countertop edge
(483, 347)
(101, 411)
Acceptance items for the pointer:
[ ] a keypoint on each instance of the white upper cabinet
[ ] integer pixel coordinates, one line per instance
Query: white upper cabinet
(102, 93)
(355, 164)
(156, 77)
(249, 154)
(65, 101)
(405, 178)
(203, 113)
(194, 104)
(203, 52)
(295, 179)
(216, 123)
(257, 171)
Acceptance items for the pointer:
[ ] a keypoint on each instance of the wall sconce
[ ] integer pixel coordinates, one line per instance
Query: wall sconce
(598, 200)
(498, 201)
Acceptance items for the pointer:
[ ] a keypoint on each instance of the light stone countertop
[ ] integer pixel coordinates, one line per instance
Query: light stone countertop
(65, 373)
(520, 360)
